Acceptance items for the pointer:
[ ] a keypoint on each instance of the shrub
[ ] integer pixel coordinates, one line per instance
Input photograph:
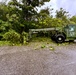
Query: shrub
(24, 37)
(12, 36)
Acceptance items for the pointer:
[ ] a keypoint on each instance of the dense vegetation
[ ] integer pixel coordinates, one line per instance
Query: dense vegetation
(16, 18)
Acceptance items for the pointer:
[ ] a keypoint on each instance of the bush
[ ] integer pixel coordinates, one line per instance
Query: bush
(12, 36)
(24, 37)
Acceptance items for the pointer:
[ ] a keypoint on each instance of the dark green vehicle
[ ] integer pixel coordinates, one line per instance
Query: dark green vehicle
(67, 33)
(59, 34)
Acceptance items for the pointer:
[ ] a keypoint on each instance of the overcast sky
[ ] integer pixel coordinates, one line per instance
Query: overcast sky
(68, 5)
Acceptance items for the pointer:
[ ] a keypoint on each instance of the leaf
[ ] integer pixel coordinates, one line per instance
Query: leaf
(43, 46)
(51, 48)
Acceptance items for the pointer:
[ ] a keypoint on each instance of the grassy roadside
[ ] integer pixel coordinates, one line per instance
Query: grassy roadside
(41, 42)
(4, 43)
(7, 43)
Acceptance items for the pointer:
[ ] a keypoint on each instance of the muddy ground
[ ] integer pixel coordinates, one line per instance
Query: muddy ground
(34, 60)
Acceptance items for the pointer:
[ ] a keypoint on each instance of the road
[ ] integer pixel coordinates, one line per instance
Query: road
(24, 60)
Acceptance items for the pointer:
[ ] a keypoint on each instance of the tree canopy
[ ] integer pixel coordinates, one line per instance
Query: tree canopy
(20, 16)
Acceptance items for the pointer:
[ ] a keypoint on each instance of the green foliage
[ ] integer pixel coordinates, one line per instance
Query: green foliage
(24, 37)
(15, 23)
(63, 16)
(18, 17)
(4, 26)
(3, 11)
(44, 18)
(12, 36)
(43, 46)
(73, 19)
(4, 43)
(51, 48)
(26, 12)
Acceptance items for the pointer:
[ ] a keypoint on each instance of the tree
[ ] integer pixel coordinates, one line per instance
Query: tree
(22, 15)
(26, 11)
(3, 11)
(44, 17)
(62, 15)
(73, 19)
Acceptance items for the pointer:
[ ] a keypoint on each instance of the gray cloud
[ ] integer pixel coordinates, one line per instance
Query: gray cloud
(68, 5)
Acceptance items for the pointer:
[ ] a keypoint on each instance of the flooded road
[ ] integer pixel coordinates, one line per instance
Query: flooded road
(25, 60)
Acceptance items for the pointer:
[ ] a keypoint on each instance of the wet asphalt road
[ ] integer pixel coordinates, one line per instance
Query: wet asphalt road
(27, 61)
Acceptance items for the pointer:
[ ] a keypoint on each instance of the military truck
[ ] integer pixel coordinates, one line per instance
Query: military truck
(58, 34)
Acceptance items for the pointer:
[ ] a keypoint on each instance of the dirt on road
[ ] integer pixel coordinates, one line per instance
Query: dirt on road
(33, 60)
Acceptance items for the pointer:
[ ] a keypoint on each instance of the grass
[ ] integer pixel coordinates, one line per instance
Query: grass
(4, 43)
(41, 39)
(7, 43)
(45, 42)
(37, 42)
(41, 43)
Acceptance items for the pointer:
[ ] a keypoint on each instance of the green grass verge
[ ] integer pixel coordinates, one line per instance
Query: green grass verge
(7, 43)
(41, 39)
(42, 42)
(4, 43)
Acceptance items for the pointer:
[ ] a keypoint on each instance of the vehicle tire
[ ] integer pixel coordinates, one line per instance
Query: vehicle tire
(60, 38)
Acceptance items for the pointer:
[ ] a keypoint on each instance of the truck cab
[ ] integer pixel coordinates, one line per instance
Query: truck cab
(68, 33)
